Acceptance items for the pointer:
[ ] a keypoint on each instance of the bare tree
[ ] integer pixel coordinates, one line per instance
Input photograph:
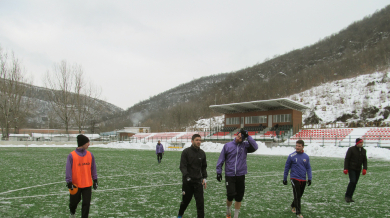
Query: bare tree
(86, 104)
(73, 100)
(61, 82)
(13, 105)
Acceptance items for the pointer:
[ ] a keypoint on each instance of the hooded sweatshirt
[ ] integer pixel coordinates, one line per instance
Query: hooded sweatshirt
(234, 157)
(159, 148)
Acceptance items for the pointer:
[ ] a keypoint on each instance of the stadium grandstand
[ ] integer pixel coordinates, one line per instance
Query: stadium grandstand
(276, 120)
(263, 119)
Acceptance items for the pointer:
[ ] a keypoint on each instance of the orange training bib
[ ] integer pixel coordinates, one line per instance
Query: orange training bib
(81, 170)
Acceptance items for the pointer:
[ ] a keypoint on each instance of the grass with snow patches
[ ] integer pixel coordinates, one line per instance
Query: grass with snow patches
(132, 184)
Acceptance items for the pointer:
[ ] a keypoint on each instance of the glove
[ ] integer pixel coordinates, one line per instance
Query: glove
(345, 172)
(219, 177)
(364, 172)
(188, 179)
(244, 134)
(70, 185)
(284, 182)
(308, 182)
(95, 184)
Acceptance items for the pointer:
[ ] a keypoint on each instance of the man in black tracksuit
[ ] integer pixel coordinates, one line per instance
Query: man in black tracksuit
(193, 167)
(354, 159)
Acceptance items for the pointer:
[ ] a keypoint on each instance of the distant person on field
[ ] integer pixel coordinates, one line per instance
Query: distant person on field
(159, 151)
(234, 156)
(277, 132)
(299, 163)
(81, 174)
(354, 159)
(193, 167)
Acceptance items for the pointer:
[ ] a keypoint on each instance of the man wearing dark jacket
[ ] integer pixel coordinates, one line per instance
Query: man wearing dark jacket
(234, 155)
(193, 167)
(354, 159)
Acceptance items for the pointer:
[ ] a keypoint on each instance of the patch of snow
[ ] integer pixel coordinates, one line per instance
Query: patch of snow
(333, 99)
(312, 149)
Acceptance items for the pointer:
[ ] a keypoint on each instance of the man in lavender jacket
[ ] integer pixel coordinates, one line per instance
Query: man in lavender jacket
(81, 170)
(234, 155)
(159, 151)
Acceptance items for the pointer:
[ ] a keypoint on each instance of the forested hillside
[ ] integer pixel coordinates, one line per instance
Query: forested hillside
(42, 109)
(361, 48)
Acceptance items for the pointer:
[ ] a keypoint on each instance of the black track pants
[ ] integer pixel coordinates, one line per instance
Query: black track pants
(298, 189)
(193, 188)
(353, 179)
(86, 194)
(159, 157)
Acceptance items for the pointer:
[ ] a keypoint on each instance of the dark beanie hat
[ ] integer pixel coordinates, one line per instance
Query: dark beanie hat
(82, 140)
(358, 140)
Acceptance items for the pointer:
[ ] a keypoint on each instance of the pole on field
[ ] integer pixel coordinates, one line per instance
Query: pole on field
(349, 141)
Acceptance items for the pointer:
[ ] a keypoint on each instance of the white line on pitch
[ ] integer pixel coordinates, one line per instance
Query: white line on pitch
(104, 190)
(249, 176)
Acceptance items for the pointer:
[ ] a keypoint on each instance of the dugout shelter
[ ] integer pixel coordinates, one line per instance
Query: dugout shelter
(281, 112)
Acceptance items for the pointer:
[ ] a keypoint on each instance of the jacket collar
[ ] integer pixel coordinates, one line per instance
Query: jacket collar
(194, 148)
(234, 141)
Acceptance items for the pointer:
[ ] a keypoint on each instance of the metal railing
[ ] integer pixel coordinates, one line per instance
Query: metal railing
(345, 125)
(342, 140)
(287, 138)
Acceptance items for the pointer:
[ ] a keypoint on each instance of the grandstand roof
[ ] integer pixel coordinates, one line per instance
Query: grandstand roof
(263, 105)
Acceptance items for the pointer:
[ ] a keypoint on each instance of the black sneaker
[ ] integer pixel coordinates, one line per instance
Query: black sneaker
(348, 200)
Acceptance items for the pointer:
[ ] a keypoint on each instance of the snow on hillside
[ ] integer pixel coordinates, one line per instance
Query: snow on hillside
(331, 100)
(204, 124)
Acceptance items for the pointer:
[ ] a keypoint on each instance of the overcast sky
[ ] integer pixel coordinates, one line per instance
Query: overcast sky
(136, 49)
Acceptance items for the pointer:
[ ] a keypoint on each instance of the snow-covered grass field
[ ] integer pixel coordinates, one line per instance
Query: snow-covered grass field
(132, 184)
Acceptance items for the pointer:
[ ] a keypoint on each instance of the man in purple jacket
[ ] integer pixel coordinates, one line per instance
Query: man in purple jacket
(234, 155)
(80, 167)
(299, 164)
(159, 151)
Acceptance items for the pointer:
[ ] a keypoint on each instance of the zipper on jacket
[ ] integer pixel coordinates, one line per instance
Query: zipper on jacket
(235, 165)
(201, 164)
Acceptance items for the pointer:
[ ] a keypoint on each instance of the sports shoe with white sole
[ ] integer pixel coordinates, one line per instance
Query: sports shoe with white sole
(293, 210)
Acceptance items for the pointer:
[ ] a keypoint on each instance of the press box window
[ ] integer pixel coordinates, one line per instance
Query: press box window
(255, 119)
(282, 118)
(232, 121)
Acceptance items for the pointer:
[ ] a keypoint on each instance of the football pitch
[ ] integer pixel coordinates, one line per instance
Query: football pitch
(133, 184)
